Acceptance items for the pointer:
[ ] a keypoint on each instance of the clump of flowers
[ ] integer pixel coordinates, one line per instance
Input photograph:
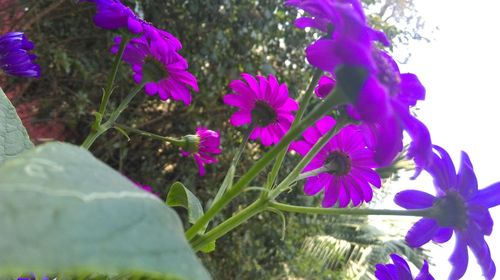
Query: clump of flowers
(15, 56)
(385, 95)
(203, 146)
(157, 64)
(459, 207)
(264, 104)
(345, 165)
(400, 270)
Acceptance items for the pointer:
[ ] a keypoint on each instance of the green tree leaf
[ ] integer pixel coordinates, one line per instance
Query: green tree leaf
(64, 212)
(179, 195)
(13, 136)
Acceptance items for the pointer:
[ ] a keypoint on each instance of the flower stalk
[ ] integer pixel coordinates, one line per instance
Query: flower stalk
(304, 102)
(335, 99)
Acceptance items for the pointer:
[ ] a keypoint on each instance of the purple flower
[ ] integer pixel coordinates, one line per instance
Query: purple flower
(15, 58)
(400, 270)
(404, 90)
(203, 146)
(263, 103)
(112, 14)
(458, 207)
(325, 86)
(147, 188)
(346, 165)
(157, 63)
(385, 95)
(349, 39)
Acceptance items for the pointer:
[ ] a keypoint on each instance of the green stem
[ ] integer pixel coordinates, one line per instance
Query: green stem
(177, 142)
(334, 99)
(298, 117)
(305, 160)
(228, 179)
(350, 211)
(231, 223)
(111, 79)
(102, 128)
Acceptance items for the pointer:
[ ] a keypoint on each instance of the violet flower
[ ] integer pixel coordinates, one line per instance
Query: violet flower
(112, 15)
(157, 63)
(459, 207)
(385, 96)
(347, 165)
(325, 86)
(400, 270)
(203, 147)
(263, 103)
(385, 135)
(15, 56)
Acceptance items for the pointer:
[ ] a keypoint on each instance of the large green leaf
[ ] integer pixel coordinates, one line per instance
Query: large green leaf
(179, 195)
(63, 211)
(13, 136)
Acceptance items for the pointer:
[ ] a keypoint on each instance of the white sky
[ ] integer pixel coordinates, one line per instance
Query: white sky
(461, 72)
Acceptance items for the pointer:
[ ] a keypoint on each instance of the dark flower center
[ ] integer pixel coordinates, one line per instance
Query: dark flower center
(387, 74)
(263, 114)
(338, 163)
(153, 70)
(451, 210)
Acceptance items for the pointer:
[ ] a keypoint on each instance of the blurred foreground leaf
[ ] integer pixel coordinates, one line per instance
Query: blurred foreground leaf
(13, 136)
(63, 212)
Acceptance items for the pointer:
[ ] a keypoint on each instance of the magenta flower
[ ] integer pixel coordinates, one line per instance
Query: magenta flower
(203, 147)
(403, 92)
(385, 95)
(157, 63)
(325, 86)
(264, 104)
(400, 270)
(459, 207)
(147, 188)
(112, 14)
(349, 39)
(15, 56)
(345, 165)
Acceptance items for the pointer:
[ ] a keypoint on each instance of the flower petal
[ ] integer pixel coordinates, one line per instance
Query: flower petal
(413, 199)
(443, 235)
(488, 197)
(459, 258)
(421, 232)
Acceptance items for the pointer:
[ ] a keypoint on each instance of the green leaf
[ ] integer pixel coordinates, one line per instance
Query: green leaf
(13, 136)
(209, 247)
(63, 212)
(179, 195)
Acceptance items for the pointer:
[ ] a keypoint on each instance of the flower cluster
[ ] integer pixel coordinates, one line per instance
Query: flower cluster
(15, 56)
(385, 96)
(152, 53)
(400, 270)
(344, 165)
(459, 207)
